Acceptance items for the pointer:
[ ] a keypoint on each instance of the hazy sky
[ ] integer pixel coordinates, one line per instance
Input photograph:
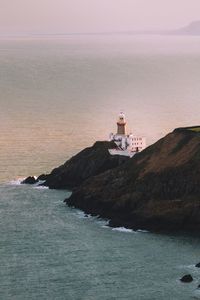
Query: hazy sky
(66, 16)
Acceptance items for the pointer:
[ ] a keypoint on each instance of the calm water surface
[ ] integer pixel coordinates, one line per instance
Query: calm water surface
(58, 96)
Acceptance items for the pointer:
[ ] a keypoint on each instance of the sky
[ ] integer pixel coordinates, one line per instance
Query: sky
(75, 16)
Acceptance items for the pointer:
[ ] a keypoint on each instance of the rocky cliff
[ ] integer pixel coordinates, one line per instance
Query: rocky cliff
(158, 189)
(89, 162)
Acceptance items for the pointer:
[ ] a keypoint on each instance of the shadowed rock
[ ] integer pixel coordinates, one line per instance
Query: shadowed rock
(43, 177)
(186, 278)
(197, 265)
(30, 180)
(158, 189)
(87, 163)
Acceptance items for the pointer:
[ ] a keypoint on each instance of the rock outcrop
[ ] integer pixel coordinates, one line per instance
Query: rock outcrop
(197, 265)
(187, 278)
(158, 189)
(89, 162)
(30, 180)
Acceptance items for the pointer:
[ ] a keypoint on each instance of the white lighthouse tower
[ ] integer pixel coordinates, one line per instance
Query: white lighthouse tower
(126, 144)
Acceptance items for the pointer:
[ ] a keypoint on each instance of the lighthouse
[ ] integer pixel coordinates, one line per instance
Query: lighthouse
(121, 124)
(126, 144)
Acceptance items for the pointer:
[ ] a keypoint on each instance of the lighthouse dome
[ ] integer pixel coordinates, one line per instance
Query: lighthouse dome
(121, 118)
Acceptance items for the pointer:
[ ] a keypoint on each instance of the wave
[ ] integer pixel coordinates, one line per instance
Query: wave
(80, 214)
(105, 223)
(37, 185)
(190, 268)
(123, 229)
(40, 187)
(16, 181)
(196, 294)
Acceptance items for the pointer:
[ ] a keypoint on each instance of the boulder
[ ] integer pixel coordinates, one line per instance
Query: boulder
(30, 180)
(186, 278)
(197, 265)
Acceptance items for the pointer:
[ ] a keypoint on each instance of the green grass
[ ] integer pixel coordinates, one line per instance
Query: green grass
(196, 129)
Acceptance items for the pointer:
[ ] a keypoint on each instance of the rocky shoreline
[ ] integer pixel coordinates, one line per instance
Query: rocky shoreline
(89, 162)
(158, 189)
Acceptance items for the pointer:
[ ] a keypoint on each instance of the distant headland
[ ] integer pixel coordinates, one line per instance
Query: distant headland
(157, 189)
(192, 29)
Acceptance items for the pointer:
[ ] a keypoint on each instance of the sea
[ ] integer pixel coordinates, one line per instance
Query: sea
(58, 95)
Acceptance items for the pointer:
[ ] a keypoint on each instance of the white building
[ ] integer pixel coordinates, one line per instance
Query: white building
(127, 144)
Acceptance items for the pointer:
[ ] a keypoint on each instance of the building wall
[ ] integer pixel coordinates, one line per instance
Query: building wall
(136, 143)
(129, 142)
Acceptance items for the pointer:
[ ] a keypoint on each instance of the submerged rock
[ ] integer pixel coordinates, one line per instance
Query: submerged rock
(30, 180)
(187, 278)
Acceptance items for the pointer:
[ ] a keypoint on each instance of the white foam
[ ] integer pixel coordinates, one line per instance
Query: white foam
(123, 229)
(36, 185)
(16, 181)
(191, 267)
(143, 231)
(102, 223)
(40, 181)
(41, 187)
(105, 226)
(80, 214)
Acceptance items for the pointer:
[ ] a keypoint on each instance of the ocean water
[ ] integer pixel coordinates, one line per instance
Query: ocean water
(58, 95)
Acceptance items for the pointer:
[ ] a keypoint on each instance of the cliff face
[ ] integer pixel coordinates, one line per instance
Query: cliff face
(89, 162)
(158, 189)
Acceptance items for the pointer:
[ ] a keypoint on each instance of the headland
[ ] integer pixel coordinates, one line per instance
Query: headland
(157, 189)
